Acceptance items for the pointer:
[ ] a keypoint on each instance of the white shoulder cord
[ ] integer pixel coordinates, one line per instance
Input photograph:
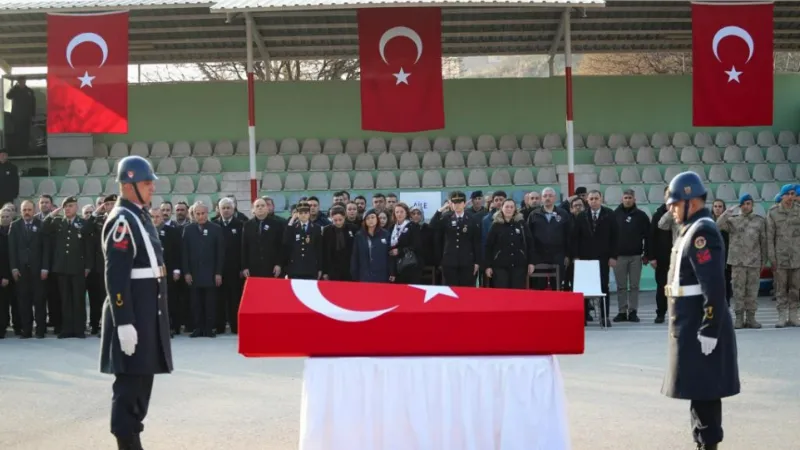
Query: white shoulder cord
(151, 252)
(121, 227)
(676, 276)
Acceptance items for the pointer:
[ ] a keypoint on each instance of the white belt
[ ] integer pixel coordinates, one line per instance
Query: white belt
(145, 273)
(683, 291)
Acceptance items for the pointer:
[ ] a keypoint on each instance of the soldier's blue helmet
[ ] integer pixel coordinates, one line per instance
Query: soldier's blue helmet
(684, 187)
(134, 169)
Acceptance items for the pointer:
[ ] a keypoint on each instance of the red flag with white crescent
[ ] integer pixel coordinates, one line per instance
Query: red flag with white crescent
(279, 317)
(87, 73)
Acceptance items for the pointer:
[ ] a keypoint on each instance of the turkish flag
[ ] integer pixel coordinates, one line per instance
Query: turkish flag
(400, 51)
(87, 73)
(279, 317)
(732, 65)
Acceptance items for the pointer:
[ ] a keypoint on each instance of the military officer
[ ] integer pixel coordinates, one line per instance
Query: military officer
(747, 254)
(461, 237)
(783, 246)
(302, 241)
(69, 237)
(95, 281)
(703, 364)
(135, 331)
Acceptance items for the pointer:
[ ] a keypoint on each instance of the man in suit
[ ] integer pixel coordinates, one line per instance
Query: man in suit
(461, 237)
(203, 255)
(595, 238)
(51, 290)
(135, 339)
(170, 238)
(95, 281)
(30, 264)
(702, 353)
(69, 237)
(230, 292)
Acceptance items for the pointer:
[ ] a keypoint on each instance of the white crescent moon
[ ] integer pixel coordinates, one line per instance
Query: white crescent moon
(741, 33)
(307, 291)
(392, 33)
(94, 38)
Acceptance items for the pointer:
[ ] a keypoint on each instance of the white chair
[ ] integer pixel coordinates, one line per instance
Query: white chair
(586, 281)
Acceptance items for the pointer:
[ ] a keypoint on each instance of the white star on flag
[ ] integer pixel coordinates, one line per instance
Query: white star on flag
(433, 291)
(402, 77)
(733, 74)
(86, 80)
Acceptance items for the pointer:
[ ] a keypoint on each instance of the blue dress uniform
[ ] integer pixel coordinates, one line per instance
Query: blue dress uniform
(698, 309)
(137, 295)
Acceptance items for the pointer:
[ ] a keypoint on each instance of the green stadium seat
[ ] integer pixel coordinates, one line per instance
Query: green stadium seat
(181, 149)
(140, 149)
(787, 138)
(745, 139)
(724, 139)
(202, 149)
(333, 147)
(289, 146)
(311, 146)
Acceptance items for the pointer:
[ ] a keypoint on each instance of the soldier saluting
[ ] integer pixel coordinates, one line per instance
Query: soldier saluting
(461, 234)
(302, 241)
(69, 237)
(135, 327)
(703, 364)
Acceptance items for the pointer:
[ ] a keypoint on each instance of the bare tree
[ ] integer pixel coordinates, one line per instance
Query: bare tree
(663, 63)
(289, 70)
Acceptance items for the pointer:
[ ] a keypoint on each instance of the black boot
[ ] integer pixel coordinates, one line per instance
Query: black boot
(129, 443)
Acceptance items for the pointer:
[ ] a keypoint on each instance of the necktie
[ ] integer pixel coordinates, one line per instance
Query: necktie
(594, 221)
(28, 226)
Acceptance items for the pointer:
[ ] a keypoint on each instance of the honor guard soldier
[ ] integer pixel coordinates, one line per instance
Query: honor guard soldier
(135, 327)
(461, 236)
(702, 353)
(303, 243)
(69, 237)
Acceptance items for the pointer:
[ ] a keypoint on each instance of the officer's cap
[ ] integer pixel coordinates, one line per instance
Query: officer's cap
(580, 191)
(744, 198)
(476, 194)
(458, 197)
(303, 207)
(110, 198)
(69, 200)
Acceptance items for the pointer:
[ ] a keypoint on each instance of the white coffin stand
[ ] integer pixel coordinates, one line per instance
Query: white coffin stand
(458, 403)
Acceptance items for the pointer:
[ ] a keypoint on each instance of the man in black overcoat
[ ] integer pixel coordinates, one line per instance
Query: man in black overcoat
(703, 365)
(135, 326)
(262, 242)
(170, 237)
(230, 292)
(30, 262)
(203, 255)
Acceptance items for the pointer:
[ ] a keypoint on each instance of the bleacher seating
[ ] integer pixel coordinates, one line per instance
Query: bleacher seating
(731, 164)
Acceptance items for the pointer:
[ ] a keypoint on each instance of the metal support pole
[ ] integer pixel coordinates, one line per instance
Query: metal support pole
(568, 78)
(251, 108)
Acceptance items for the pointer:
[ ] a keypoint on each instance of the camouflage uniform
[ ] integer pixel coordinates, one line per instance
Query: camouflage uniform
(747, 254)
(783, 245)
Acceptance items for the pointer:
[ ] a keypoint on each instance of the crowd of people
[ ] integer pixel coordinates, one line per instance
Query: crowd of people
(52, 258)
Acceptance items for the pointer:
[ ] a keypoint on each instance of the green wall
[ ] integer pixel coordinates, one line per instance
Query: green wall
(214, 111)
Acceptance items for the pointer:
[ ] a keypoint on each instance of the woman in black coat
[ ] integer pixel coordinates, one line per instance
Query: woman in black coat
(509, 249)
(370, 261)
(337, 247)
(405, 238)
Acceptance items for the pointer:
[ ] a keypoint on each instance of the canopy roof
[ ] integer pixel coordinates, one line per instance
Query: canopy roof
(179, 31)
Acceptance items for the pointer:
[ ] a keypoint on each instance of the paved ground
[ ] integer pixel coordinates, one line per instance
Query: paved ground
(51, 396)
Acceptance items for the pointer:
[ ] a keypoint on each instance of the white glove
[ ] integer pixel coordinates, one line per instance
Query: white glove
(707, 344)
(128, 338)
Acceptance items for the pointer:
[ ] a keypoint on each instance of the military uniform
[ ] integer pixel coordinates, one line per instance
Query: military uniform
(70, 240)
(303, 247)
(461, 244)
(783, 246)
(747, 254)
(699, 320)
(170, 237)
(136, 285)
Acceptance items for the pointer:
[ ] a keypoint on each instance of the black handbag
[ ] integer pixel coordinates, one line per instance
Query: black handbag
(407, 260)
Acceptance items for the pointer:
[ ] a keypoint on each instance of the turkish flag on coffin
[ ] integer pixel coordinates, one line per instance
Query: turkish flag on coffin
(87, 73)
(280, 317)
(400, 52)
(732, 65)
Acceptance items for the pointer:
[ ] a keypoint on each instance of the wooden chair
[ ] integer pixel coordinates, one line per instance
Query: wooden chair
(545, 271)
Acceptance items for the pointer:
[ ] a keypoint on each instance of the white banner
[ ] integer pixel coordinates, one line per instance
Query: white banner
(429, 202)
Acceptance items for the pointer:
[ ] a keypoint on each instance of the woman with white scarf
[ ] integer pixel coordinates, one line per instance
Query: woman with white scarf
(406, 240)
